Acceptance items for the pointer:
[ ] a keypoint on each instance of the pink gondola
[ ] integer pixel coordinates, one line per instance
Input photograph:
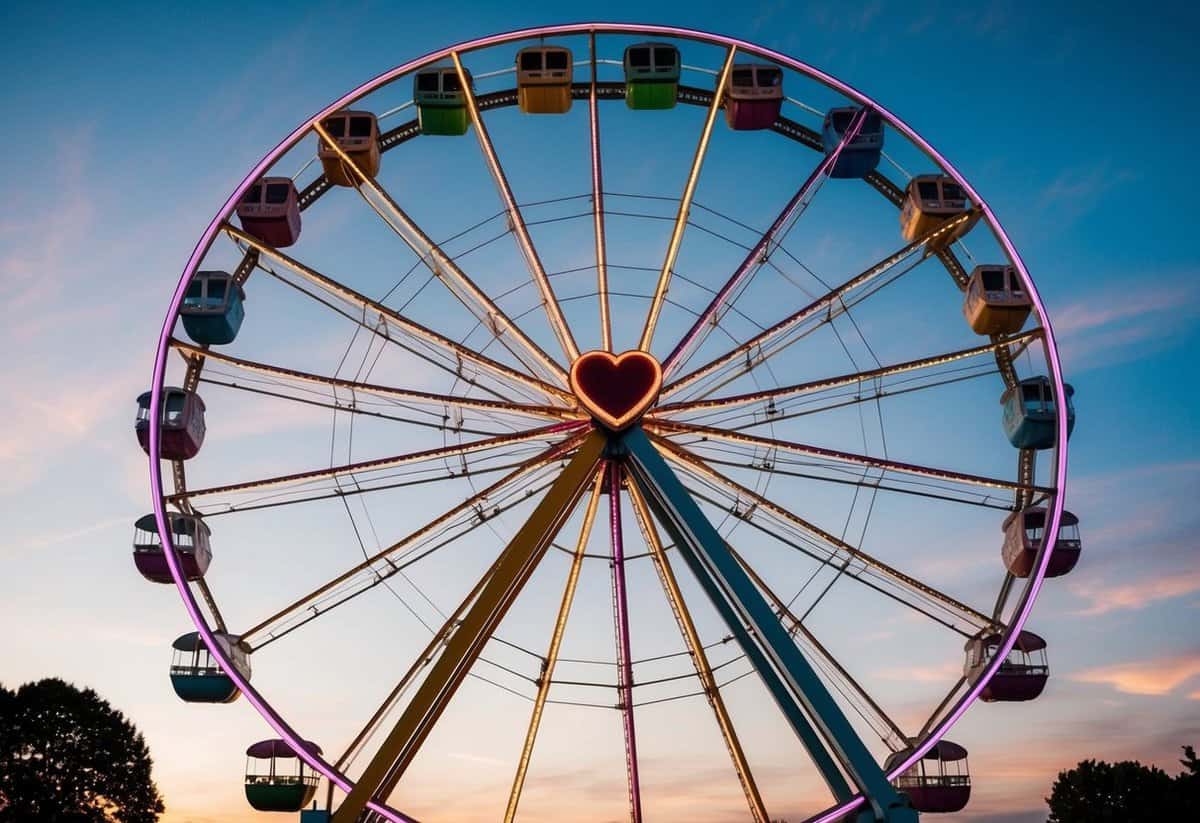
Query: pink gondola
(754, 97)
(270, 210)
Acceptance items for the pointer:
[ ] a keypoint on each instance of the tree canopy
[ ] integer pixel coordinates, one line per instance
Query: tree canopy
(67, 756)
(1097, 792)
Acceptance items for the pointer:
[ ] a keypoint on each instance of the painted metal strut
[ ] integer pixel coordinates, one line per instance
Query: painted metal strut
(513, 570)
(791, 679)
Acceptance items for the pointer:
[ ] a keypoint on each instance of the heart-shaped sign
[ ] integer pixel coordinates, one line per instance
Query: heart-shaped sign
(616, 389)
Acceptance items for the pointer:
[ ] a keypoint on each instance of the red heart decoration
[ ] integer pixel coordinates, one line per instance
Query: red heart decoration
(616, 389)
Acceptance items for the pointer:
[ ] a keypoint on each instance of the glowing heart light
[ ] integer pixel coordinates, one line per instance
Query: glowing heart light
(616, 389)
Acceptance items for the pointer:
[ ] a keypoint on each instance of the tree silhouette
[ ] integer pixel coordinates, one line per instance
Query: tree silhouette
(66, 756)
(1099, 792)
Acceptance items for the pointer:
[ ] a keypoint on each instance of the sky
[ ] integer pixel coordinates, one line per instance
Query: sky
(148, 118)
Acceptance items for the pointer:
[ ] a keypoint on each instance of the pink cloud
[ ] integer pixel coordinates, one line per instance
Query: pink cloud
(1108, 322)
(946, 673)
(1149, 677)
(1136, 595)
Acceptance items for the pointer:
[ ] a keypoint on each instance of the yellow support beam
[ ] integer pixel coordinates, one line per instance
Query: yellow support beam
(685, 204)
(512, 571)
(560, 625)
(696, 648)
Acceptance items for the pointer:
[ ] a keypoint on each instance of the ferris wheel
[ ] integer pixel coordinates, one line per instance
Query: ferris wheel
(538, 387)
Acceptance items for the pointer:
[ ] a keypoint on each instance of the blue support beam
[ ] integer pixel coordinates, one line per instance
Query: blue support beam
(787, 674)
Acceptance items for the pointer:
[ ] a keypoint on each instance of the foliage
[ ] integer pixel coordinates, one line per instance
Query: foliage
(1098, 792)
(66, 756)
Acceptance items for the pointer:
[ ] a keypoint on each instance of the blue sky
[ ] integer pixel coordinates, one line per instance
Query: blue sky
(1072, 120)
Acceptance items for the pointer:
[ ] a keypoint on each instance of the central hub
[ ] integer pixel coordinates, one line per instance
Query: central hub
(616, 389)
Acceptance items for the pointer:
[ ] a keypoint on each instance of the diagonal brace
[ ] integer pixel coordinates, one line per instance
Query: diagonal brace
(512, 571)
(795, 685)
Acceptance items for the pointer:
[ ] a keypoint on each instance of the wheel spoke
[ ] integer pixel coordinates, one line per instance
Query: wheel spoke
(795, 626)
(691, 637)
(367, 574)
(760, 252)
(838, 547)
(453, 353)
(815, 715)
(669, 428)
(824, 309)
(551, 659)
(773, 396)
(423, 660)
(551, 431)
(510, 335)
(440, 402)
(516, 565)
(549, 301)
(685, 204)
(598, 207)
(624, 656)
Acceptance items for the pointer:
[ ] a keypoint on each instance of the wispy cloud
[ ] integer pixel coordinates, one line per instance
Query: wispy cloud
(1147, 677)
(944, 673)
(1104, 598)
(1115, 322)
(1075, 190)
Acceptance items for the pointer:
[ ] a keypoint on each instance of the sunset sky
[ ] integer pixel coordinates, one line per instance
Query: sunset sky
(127, 129)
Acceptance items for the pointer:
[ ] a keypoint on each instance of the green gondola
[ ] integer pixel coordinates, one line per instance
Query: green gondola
(651, 76)
(441, 101)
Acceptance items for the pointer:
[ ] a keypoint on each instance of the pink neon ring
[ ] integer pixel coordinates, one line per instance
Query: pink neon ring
(280, 726)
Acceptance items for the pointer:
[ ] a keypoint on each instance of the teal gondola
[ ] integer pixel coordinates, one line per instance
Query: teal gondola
(651, 76)
(195, 675)
(270, 785)
(1030, 413)
(212, 309)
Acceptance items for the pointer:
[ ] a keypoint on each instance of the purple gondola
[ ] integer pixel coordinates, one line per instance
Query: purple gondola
(182, 424)
(938, 782)
(1022, 675)
(1023, 534)
(189, 535)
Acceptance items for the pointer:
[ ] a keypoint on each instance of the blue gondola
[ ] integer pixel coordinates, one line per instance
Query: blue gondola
(212, 309)
(1030, 413)
(861, 155)
(195, 675)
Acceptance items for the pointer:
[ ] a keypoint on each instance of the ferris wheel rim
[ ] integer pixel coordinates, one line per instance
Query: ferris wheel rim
(1056, 505)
